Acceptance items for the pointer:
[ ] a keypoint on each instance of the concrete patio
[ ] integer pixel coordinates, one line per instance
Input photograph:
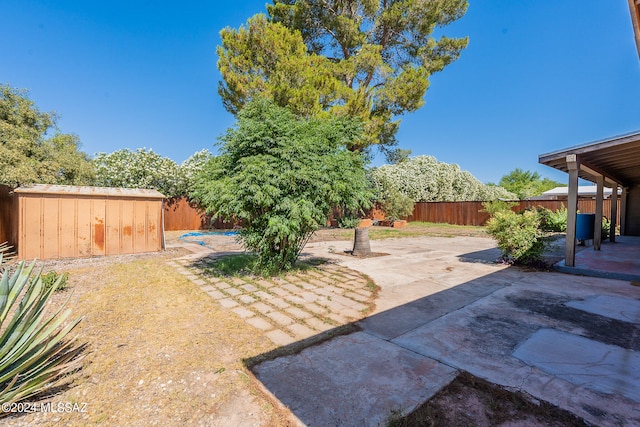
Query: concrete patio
(445, 307)
(619, 260)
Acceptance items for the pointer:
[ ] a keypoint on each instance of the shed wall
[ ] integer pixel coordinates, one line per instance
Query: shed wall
(60, 226)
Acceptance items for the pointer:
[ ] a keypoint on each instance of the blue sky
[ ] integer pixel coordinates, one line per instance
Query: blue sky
(537, 76)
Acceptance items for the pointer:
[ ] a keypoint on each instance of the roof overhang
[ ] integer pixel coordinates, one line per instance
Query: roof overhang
(617, 159)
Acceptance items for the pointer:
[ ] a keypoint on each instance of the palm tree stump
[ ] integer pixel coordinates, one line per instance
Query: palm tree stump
(361, 246)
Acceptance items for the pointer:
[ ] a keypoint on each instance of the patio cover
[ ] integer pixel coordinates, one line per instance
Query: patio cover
(614, 161)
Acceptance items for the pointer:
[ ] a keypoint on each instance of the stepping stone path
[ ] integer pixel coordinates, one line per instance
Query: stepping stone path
(291, 307)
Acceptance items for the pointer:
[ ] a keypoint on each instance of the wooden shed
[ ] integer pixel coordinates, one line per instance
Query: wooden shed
(61, 221)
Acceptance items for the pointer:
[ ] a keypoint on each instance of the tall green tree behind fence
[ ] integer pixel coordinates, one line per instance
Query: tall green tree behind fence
(370, 60)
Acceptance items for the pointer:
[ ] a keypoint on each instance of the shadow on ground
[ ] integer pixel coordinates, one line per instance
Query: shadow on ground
(567, 340)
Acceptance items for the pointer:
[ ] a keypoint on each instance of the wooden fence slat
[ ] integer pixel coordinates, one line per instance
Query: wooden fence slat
(8, 216)
(179, 215)
(470, 213)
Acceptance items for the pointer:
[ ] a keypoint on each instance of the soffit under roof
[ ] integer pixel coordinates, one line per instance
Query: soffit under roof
(617, 158)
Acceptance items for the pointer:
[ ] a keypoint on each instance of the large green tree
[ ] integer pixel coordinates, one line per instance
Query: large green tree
(27, 154)
(369, 59)
(527, 184)
(281, 175)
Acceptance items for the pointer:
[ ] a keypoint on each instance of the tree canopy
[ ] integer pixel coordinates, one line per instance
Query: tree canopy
(526, 184)
(27, 154)
(280, 176)
(425, 179)
(359, 58)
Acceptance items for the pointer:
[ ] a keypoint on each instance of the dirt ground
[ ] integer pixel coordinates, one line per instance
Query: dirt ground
(162, 352)
(471, 402)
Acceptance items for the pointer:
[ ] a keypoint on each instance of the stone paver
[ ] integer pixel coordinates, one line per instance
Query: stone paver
(279, 291)
(279, 318)
(260, 323)
(243, 312)
(228, 303)
(288, 308)
(262, 308)
(279, 337)
(298, 313)
(263, 295)
(318, 324)
(233, 291)
(246, 299)
(279, 302)
(249, 288)
(216, 294)
(300, 331)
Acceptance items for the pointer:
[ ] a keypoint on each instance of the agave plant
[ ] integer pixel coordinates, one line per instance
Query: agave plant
(35, 354)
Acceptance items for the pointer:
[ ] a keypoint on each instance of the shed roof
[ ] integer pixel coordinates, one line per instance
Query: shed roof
(616, 158)
(75, 190)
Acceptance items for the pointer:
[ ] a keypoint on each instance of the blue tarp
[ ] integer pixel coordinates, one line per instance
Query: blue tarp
(205, 233)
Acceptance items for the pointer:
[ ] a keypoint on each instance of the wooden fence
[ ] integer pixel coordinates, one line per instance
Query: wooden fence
(179, 215)
(471, 213)
(8, 217)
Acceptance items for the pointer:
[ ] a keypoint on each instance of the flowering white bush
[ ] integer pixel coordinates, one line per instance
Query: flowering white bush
(425, 179)
(144, 168)
(191, 167)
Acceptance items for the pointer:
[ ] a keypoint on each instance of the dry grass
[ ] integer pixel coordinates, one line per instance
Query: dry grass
(162, 352)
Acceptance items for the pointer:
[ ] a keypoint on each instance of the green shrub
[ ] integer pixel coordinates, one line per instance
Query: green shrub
(518, 236)
(35, 354)
(606, 228)
(348, 221)
(281, 175)
(497, 205)
(52, 278)
(396, 205)
(552, 221)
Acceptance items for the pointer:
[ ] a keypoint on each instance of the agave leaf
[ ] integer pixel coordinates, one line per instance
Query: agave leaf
(35, 353)
(29, 309)
(39, 341)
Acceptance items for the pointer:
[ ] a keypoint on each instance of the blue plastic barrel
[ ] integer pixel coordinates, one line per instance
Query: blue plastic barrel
(584, 226)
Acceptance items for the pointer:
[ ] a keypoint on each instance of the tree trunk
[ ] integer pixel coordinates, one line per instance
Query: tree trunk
(361, 246)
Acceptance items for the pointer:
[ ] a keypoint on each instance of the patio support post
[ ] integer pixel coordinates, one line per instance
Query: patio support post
(572, 208)
(623, 212)
(597, 227)
(614, 212)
